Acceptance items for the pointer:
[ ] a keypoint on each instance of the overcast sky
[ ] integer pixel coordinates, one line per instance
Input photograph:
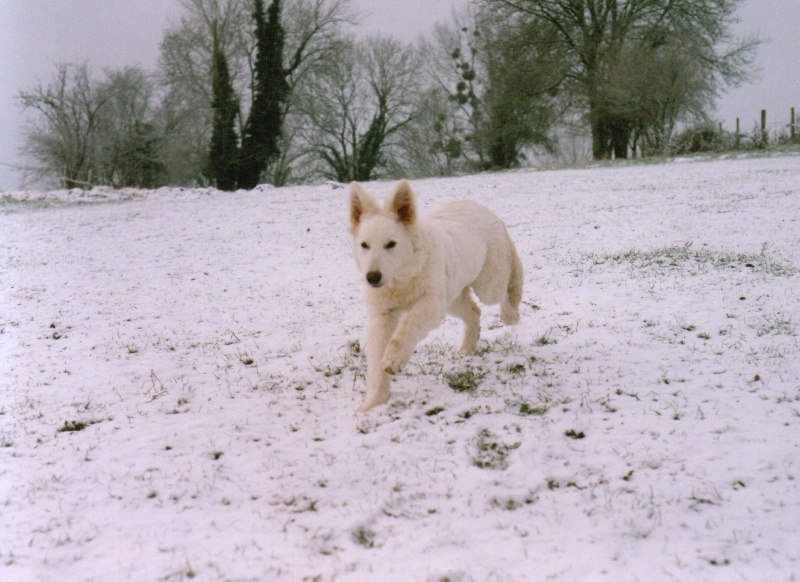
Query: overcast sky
(35, 34)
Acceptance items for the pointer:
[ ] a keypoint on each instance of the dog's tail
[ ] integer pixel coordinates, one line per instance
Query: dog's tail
(509, 308)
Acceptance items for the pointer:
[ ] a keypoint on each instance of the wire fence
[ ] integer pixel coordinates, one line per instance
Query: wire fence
(766, 132)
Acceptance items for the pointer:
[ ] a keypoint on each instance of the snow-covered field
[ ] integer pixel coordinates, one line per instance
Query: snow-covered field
(180, 370)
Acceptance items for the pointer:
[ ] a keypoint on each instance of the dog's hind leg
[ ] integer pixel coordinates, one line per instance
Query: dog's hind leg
(468, 311)
(379, 330)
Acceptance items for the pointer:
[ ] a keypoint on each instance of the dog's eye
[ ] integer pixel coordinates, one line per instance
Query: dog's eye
(364, 245)
(390, 245)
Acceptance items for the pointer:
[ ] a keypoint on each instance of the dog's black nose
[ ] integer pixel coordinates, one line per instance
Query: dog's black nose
(374, 278)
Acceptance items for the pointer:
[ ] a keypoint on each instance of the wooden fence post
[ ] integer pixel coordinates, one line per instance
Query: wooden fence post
(792, 128)
(764, 126)
(737, 133)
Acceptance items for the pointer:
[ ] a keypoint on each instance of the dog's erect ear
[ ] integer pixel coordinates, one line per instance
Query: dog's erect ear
(402, 204)
(361, 203)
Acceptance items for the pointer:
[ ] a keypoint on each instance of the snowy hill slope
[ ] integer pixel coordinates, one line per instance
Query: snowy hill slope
(180, 369)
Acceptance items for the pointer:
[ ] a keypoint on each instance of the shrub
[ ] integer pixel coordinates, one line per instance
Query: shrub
(704, 137)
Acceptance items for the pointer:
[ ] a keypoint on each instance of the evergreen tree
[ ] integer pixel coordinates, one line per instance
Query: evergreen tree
(224, 152)
(134, 160)
(262, 132)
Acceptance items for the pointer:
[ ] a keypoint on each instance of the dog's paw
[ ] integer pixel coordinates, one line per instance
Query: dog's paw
(469, 344)
(394, 358)
(393, 366)
(373, 400)
(466, 349)
(509, 315)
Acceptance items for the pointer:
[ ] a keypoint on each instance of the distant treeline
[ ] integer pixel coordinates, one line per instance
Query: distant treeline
(248, 92)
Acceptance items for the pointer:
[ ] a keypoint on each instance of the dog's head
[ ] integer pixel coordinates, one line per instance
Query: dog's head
(382, 237)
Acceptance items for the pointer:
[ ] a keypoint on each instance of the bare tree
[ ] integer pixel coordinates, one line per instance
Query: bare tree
(129, 139)
(519, 99)
(358, 102)
(311, 28)
(501, 87)
(315, 30)
(62, 138)
(88, 132)
(655, 88)
(596, 34)
(185, 75)
(451, 63)
(433, 144)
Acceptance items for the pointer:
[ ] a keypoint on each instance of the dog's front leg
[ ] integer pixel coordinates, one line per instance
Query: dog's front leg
(427, 314)
(380, 328)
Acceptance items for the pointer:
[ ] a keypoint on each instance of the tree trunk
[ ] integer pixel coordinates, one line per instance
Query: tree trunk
(610, 134)
(620, 137)
(601, 141)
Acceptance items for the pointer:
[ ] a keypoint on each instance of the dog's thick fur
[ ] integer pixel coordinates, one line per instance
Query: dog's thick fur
(419, 268)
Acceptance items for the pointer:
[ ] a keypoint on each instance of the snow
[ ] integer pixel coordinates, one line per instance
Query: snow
(641, 423)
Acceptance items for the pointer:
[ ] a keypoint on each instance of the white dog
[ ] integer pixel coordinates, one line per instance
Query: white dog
(419, 268)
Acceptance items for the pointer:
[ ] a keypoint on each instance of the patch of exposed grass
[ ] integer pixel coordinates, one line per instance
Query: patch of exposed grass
(513, 503)
(491, 453)
(517, 369)
(544, 341)
(76, 425)
(776, 325)
(364, 537)
(527, 409)
(464, 381)
(686, 256)
(352, 359)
